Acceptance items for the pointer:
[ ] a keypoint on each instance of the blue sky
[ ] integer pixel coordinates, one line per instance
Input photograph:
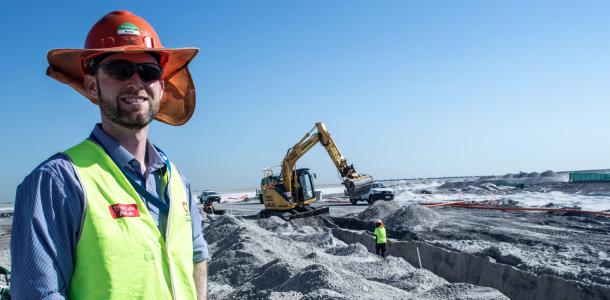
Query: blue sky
(406, 88)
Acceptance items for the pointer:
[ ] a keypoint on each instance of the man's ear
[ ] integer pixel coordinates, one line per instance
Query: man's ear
(91, 86)
(162, 85)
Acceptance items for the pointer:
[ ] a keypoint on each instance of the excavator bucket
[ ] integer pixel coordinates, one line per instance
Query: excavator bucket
(359, 186)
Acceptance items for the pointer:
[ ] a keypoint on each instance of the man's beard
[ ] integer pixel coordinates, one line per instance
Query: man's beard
(112, 110)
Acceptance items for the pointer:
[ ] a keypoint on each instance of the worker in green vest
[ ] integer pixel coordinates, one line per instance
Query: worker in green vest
(380, 238)
(113, 217)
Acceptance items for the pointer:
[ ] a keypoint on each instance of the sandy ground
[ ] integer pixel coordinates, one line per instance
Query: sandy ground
(275, 259)
(571, 247)
(279, 260)
(574, 247)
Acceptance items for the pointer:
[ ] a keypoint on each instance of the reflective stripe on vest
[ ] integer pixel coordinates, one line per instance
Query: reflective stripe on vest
(121, 254)
(380, 234)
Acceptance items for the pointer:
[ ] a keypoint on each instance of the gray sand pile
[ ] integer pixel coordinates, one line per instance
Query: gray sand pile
(408, 188)
(412, 217)
(379, 210)
(274, 259)
(507, 184)
(570, 247)
(397, 217)
(520, 175)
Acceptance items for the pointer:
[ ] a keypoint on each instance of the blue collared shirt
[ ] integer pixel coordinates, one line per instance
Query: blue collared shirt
(48, 218)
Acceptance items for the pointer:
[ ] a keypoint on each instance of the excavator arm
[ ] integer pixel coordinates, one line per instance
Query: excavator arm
(354, 182)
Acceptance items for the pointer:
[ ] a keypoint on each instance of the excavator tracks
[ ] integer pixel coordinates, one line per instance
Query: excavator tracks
(295, 213)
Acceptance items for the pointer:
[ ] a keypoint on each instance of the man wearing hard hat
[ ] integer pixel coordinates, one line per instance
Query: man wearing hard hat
(380, 238)
(112, 217)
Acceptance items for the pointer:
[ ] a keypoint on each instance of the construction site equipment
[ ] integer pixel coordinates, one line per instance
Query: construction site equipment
(290, 193)
(377, 192)
(211, 195)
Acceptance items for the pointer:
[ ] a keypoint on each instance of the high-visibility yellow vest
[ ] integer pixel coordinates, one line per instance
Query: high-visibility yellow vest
(121, 254)
(380, 234)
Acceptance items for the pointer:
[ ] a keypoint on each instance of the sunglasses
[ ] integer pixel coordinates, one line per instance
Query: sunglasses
(123, 69)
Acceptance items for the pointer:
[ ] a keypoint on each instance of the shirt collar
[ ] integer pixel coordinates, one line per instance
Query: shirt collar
(155, 160)
(120, 155)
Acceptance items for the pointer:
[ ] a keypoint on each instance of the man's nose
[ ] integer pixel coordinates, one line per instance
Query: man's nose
(135, 82)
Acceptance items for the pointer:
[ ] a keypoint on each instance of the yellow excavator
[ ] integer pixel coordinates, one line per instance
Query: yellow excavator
(290, 193)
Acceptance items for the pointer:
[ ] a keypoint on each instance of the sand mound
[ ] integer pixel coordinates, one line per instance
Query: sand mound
(396, 217)
(548, 173)
(378, 210)
(412, 217)
(533, 175)
(273, 259)
(466, 291)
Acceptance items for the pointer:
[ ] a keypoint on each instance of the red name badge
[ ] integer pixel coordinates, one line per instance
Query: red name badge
(123, 210)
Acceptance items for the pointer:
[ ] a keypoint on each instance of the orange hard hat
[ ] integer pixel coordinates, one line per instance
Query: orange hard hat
(120, 32)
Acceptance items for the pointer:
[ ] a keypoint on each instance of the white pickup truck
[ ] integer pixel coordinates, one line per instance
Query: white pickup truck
(377, 192)
(209, 195)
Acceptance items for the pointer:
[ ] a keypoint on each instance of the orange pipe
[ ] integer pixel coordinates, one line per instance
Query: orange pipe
(442, 203)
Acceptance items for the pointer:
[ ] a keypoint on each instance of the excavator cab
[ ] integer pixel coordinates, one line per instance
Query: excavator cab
(294, 204)
(303, 189)
(306, 188)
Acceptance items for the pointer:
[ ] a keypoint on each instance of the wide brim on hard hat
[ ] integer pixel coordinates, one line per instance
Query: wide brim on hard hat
(178, 102)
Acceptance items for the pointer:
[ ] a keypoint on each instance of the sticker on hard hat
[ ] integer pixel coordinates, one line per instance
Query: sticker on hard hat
(128, 29)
